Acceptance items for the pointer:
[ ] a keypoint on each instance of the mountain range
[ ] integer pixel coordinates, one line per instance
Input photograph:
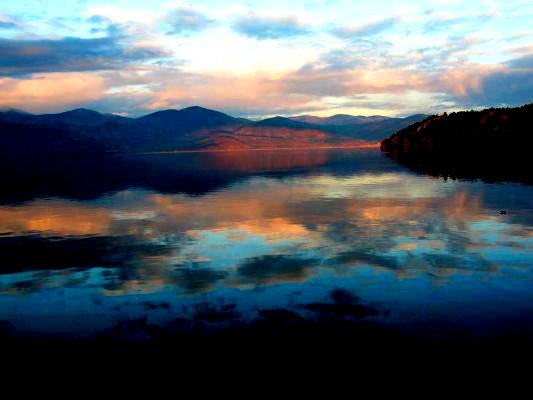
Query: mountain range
(192, 128)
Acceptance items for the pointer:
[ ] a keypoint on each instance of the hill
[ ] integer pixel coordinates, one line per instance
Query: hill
(493, 144)
(48, 139)
(192, 128)
(372, 128)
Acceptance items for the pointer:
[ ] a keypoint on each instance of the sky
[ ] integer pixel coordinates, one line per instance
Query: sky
(268, 57)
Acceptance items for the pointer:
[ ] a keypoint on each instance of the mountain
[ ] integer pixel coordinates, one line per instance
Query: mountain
(372, 128)
(192, 128)
(167, 130)
(187, 119)
(415, 118)
(338, 119)
(77, 117)
(275, 132)
(48, 139)
(12, 111)
(17, 116)
(493, 145)
(283, 122)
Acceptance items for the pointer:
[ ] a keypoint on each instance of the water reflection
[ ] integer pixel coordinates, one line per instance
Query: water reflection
(89, 177)
(285, 231)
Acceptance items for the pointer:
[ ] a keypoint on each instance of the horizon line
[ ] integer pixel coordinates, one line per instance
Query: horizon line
(22, 111)
(309, 114)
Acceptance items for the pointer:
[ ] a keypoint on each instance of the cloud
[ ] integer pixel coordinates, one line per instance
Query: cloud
(197, 280)
(525, 62)
(364, 30)
(50, 92)
(317, 86)
(442, 21)
(510, 87)
(316, 81)
(344, 79)
(342, 74)
(185, 20)
(103, 24)
(476, 86)
(275, 268)
(8, 25)
(70, 54)
(8, 22)
(236, 94)
(522, 50)
(269, 27)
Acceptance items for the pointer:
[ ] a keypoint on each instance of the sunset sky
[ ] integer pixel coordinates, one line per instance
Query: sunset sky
(263, 58)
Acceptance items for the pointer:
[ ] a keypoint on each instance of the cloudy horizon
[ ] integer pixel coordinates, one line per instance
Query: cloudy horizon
(259, 59)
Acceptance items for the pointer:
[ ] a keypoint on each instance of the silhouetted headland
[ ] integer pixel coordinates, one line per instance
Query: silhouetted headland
(493, 145)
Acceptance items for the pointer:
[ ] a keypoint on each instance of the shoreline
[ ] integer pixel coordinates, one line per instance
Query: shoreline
(364, 146)
(369, 146)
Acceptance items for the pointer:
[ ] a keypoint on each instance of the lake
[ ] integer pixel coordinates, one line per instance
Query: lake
(209, 241)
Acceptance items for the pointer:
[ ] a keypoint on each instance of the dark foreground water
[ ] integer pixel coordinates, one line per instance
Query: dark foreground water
(131, 247)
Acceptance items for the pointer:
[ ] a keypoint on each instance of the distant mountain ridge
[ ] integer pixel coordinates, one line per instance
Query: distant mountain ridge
(338, 119)
(79, 116)
(192, 128)
(368, 128)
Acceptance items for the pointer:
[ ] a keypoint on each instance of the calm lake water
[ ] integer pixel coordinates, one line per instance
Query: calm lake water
(217, 239)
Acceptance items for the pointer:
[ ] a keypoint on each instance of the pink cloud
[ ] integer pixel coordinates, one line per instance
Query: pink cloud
(50, 92)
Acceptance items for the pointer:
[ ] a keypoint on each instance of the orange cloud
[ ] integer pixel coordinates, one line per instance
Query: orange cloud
(230, 91)
(55, 218)
(276, 229)
(463, 82)
(48, 92)
(309, 89)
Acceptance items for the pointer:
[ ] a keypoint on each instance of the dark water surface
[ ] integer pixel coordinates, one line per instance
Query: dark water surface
(206, 241)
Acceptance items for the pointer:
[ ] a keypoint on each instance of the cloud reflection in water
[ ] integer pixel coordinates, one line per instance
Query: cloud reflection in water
(286, 235)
